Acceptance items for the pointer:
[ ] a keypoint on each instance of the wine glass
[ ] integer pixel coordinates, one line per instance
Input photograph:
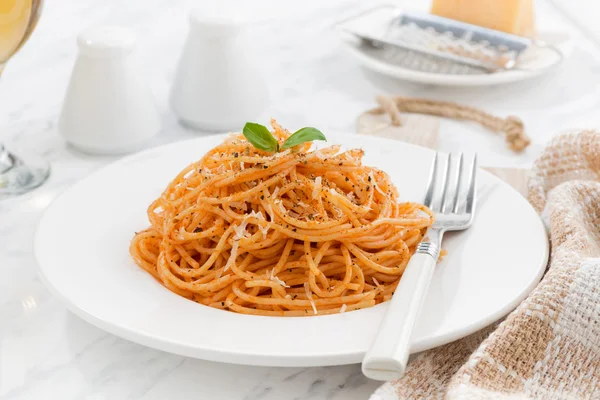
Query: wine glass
(18, 19)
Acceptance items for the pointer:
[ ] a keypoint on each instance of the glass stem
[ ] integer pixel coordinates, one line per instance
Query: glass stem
(6, 159)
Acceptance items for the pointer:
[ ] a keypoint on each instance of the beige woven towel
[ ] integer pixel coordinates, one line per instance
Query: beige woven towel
(549, 347)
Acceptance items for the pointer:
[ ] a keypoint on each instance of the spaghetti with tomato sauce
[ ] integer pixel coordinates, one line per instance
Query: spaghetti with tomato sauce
(294, 233)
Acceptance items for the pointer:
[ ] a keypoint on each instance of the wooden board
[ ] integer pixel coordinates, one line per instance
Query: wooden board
(417, 129)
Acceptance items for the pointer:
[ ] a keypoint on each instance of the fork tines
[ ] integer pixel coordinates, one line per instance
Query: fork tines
(451, 193)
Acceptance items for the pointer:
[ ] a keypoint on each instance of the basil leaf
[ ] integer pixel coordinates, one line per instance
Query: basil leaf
(260, 137)
(303, 135)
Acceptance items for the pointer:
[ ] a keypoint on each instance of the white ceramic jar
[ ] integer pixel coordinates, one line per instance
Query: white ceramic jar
(108, 109)
(218, 85)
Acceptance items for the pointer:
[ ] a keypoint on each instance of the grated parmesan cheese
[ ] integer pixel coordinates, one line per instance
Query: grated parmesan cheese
(421, 214)
(231, 138)
(319, 154)
(264, 230)
(317, 188)
(275, 191)
(240, 230)
(280, 205)
(232, 255)
(375, 282)
(261, 218)
(270, 211)
(309, 295)
(338, 212)
(241, 165)
(282, 154)
(273, 278)
(375, 185)
(257, 215)
(343, 309)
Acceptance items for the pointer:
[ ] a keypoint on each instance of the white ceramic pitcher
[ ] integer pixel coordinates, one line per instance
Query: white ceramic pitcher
(217, 86)
(108, 108)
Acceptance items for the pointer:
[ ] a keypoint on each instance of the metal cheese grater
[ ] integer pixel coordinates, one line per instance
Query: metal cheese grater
(430, 43)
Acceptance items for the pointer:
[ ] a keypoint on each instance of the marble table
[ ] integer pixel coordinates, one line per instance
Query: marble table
(48, 353)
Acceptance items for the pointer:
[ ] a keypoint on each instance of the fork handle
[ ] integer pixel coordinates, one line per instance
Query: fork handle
(387, 357)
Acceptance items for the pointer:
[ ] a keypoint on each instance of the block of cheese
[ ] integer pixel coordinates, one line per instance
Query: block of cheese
(511, 16)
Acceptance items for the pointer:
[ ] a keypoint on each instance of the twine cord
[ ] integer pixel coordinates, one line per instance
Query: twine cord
(512, 127)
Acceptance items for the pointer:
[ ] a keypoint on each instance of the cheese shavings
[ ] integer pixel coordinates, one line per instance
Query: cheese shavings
(273, 278)
(240, 230)
(343, 308)
(302, 204)
(309, 295)
(280, 205)
(232, 255)
(270, 211)
(317, 188)
(281, 154)
(338, 212)
(375, 185)
(264, 230)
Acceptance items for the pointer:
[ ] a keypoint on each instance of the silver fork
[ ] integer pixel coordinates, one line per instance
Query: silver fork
(454, 211)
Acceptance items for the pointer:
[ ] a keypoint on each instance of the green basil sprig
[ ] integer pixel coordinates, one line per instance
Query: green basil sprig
(303, 135)
(262, 139)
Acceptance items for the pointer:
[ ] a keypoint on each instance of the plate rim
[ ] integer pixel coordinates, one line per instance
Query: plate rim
(305, 360)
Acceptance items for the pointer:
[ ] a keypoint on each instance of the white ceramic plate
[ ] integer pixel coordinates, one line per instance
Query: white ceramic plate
(534, 63)
(82, 242)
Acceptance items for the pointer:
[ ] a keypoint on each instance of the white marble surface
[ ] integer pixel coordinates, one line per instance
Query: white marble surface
(48, 353)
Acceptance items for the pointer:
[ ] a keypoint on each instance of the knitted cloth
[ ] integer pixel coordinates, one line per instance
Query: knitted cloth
(549, 347)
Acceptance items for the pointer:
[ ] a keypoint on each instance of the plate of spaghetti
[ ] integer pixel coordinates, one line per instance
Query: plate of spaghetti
(269, 248)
